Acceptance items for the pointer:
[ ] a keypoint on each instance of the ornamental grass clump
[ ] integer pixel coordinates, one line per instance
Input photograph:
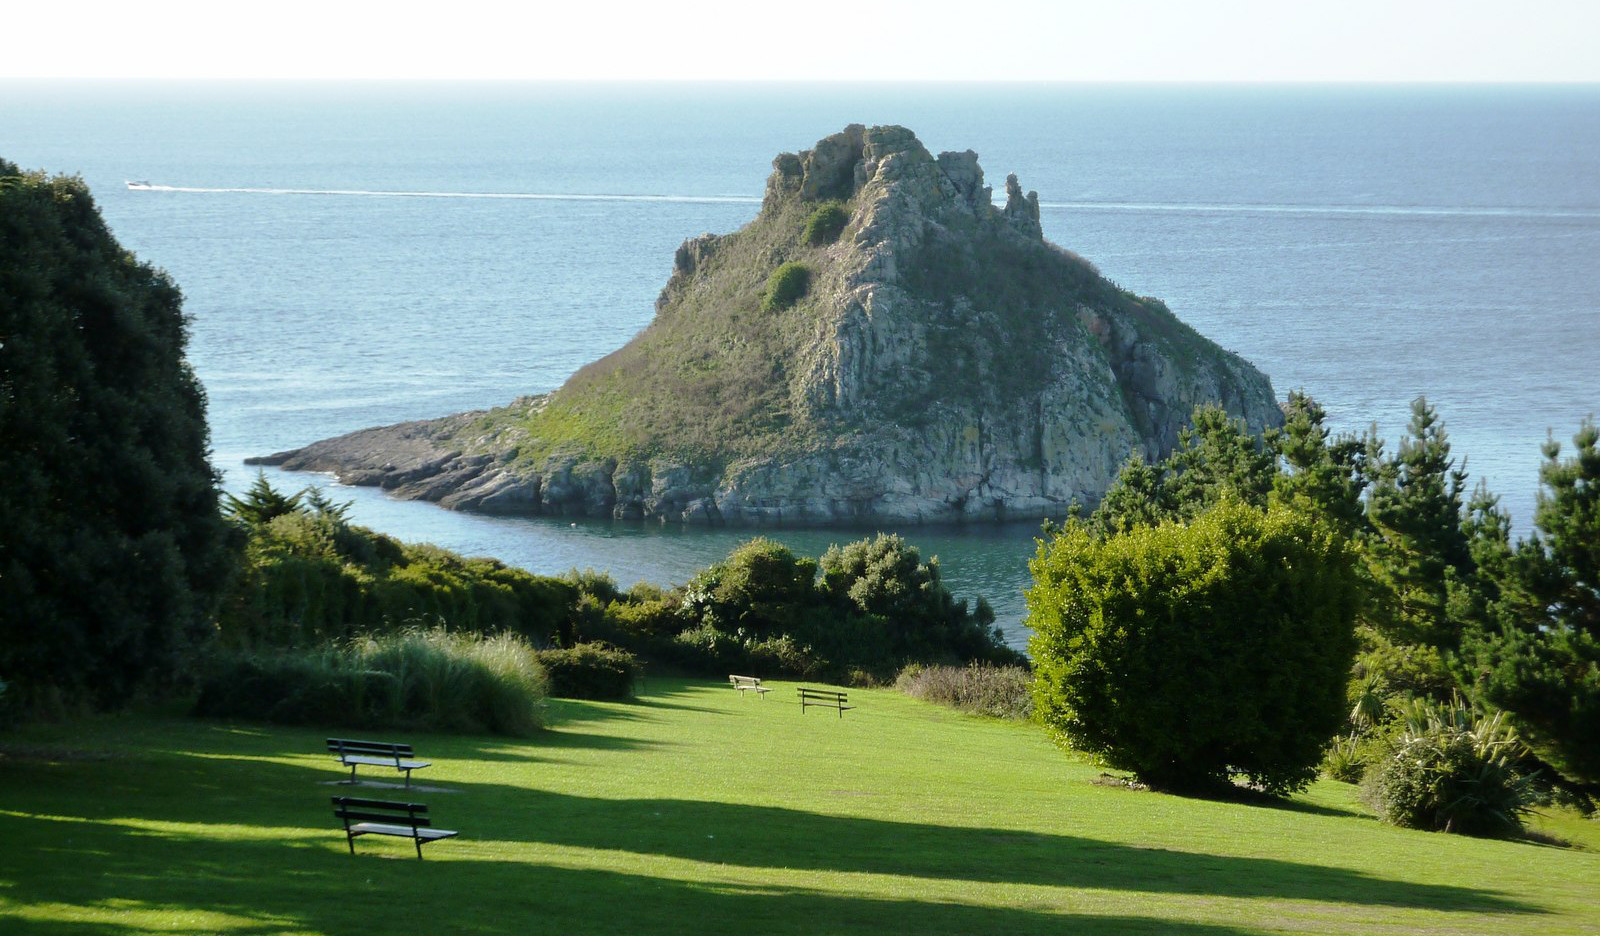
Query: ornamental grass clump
(979, 688)
(1448, 769)
(423, 678)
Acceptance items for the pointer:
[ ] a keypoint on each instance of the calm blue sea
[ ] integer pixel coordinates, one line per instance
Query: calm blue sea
(1367, 244)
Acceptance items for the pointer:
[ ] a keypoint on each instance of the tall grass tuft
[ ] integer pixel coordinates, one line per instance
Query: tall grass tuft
(421, 678)
(979, 688)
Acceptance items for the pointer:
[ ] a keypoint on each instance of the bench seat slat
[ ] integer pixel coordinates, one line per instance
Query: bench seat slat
(384, 761)
(404, 831)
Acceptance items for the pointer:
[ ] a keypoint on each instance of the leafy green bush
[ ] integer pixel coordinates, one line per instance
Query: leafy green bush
(1449, 770)
(1187, 653)
(590, 671)
(427, 679)
(309, 577)
(980, 688)
(826, 223)
(785, 287)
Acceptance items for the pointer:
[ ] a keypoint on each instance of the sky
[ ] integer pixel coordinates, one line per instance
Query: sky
(860, 40)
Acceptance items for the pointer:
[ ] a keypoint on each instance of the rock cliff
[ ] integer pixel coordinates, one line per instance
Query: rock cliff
(944, 363)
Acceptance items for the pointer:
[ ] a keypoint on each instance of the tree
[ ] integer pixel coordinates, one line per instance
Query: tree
(1415, 510)
(1216, 457)
(1317, 471)
(1188, 652)
(1536, 650)
(112, 547)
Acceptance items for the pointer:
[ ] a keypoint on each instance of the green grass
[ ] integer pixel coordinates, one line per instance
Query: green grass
(696, 810)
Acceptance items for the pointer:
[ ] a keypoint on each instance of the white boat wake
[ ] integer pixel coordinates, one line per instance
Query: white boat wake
(375, 193)
(1197, 208)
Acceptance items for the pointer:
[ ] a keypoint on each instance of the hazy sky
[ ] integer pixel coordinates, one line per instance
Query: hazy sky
(1103, 40)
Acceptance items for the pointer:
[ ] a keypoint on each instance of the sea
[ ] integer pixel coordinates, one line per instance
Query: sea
(357, 254)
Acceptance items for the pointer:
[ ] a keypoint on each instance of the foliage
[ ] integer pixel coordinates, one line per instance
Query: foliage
(1317, 471)
(1189, 652)
(785, 286)
(1449, 770)
(112, 548)
(826, 223)
(310, 576)
(430, 679)
(876, 607)
(979, 688)
(1415, 508)
(263, 503)
(1216, 457)
(590, 671)
(1535, 651)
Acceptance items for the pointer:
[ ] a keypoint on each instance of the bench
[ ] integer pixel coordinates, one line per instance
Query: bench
(823, 697)
(376, 754)
(385, 817)
(748, 684)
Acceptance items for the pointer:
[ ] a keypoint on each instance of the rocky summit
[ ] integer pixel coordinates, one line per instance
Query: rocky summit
(882, 343)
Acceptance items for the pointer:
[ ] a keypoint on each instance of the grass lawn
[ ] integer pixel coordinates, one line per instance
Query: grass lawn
(695, 810)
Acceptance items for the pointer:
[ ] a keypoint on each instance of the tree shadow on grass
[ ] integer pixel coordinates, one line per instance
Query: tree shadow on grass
(774, 837)
(201, 789)
(126, 883)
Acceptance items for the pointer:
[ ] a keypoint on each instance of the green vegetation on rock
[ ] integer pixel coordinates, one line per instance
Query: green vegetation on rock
(826, 223)
(785, 287)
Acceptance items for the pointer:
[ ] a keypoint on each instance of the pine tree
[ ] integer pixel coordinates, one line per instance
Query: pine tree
(1415, 509)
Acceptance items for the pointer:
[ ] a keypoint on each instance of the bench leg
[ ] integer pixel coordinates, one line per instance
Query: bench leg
(350, 840)
(408, 786)
(419, 848)
(352, 773)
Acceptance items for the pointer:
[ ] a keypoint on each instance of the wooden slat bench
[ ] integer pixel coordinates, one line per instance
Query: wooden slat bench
(375, 754)
(748, 684)
(826, 698)
(386, 817)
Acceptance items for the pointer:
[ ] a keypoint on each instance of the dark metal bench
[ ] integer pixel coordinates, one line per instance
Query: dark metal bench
(385, 817)
(826, 698)
(375, 754)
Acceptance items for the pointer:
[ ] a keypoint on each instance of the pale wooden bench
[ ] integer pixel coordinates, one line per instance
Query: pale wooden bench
(748, 684)
(386, 817)
(826, 698)
(375, 754)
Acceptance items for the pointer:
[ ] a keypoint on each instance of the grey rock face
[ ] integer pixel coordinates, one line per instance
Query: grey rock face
(965, 369)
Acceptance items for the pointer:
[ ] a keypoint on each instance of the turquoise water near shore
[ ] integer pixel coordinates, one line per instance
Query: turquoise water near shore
(361, 254)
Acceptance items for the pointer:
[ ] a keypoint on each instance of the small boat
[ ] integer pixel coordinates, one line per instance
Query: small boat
(138, 184)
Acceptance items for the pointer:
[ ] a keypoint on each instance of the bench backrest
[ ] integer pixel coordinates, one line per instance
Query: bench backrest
(394, 812)
(744, 680)
(343, 746)
(822, 694)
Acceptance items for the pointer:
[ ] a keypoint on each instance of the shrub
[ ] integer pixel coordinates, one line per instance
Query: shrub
(590, 671)
(982, 689)
(826, 223)
(426, 679)
(785, 287)
(310, 577)
(1448, 770)
(1187, 653)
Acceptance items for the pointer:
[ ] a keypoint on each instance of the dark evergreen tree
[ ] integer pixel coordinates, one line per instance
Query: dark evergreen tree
(1535, 651)
(112, 548)
(1415, 510)
(1319, 472)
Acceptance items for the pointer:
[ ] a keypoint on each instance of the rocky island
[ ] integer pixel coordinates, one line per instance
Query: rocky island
(882, 343)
